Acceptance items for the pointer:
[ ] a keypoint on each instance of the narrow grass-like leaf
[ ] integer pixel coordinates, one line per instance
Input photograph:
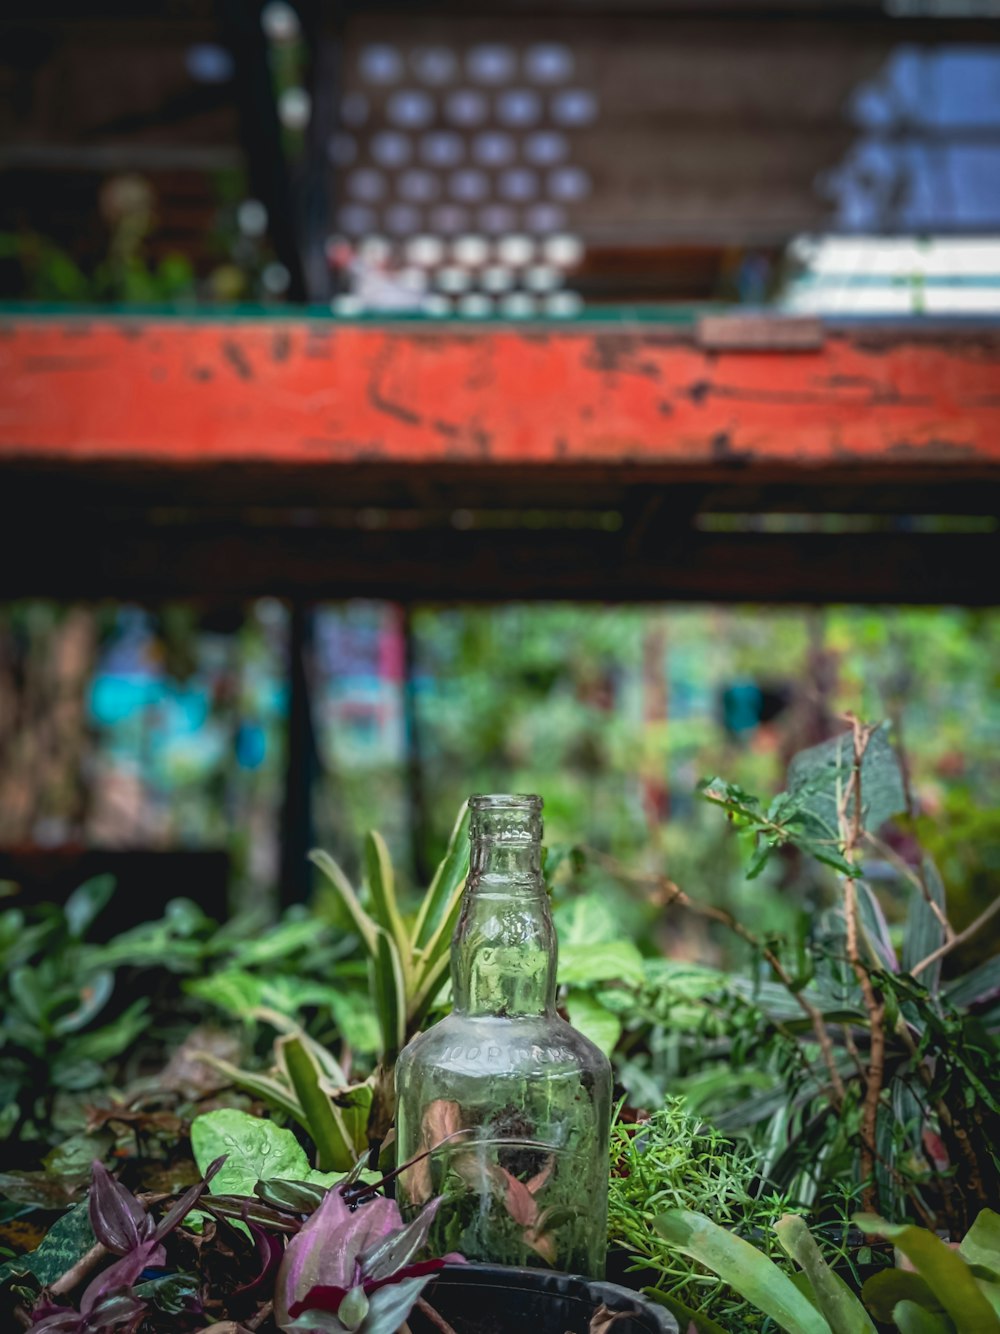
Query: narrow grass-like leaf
(265, 1087)
(843, 1311)
(344, 890)
(330, 1066)
(743, 1267)
(946, 1272)
(448, 881)
(382, 887)
(389, 994)
(334, 1148)
(685, 1315)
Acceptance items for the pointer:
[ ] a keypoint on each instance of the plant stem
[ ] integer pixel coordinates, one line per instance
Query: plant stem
(959, 939)
(78, 1272)
(436, 1319)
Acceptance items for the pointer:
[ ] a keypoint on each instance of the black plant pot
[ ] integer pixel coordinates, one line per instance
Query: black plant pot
(494, 1299)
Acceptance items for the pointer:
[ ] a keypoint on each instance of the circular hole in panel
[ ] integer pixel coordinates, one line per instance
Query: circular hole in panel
(495, 219)
(466, 107)
(375, 250)
(493, 148)
(471, 250)
(354, 109)
(516, 249)
(452, 279)
(548, 62)
(469, 185)
(519, 107)
(279, 21)
(355, 219)
(449, 219)
(341, 149)
(563, 304)
(564, 251)
(418, 186)
(542, 278)
(207, 62)
(519, 184)
(425, 250)
(380, 63)
(251, 217)
(402, 219)
(294, 108)
(574, 106)
(367, 184)
(475, 305)
(518, 306)
(544, 148)
(442, 148)
(569, 184)
(391, 149)
(496, 278)
(543, 218)
(491, 63)
(436, 304)
(411, 108)
(434, 64)
(275, 279)
(413, 280)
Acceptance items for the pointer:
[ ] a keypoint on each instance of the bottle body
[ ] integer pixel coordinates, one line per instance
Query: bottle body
(509, 1104)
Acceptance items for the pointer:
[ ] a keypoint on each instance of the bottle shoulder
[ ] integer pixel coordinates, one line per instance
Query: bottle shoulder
(542, 1044)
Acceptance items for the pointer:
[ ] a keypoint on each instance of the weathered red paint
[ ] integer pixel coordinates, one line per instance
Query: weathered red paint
(188, 392)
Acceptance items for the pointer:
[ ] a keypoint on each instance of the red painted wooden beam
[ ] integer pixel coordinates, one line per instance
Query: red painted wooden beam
(191, 392)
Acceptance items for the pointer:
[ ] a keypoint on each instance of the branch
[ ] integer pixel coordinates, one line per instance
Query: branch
(435, 1317)
(959, 939)
(915, 877)
(78, 1272)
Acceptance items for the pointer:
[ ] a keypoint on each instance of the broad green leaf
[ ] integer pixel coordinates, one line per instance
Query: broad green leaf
(743, 1267)
(594, 1021)
(944, 1270)
(344, 891)
(883, 1291)
(447, 884)
(382, 887)
(389, 994)
(924, 931)
(334, 1147)
(979, 984)
(843, 1311)
(981, 1244)
(913, 1319)
(255, 1150)
(608, 961)
(819, 775)
(94, 993)
(67, 1241)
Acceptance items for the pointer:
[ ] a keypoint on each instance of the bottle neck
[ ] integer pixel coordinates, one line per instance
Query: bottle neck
(503, 955)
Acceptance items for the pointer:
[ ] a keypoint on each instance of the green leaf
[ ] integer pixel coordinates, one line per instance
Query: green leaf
(67, 1241)
(255, 1150)
(334, 1146)
(819, 775)
(389, 994)
(944, 1270)
(743, 1267)
(346, 896)
(382, 887)
(981, 1244)
(843, 1311)
(264, 1087)
(884, 1290)
(86, 903)
(913, 1319)
(594, 1021)
(979, 984)
(446, 887)
(924, 931)
(687, 1317)
(602, 961)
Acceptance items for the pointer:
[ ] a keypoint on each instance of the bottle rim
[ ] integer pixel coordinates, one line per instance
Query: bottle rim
(502, 801)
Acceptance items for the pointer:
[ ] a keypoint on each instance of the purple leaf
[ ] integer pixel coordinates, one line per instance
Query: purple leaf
(119, 1221)
(323, 1297)
(389, 1306)
(180, 1210)
(311, 1259)
(269, 1253)
(51, 1319)
(123, 1273)
(398, 1248)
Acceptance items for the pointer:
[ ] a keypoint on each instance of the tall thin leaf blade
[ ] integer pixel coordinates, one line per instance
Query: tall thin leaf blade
(448, 880)
(382, 887)
(924, 928)
(389, 994)
(344, 891)
(743, 1267)
(334, 1148)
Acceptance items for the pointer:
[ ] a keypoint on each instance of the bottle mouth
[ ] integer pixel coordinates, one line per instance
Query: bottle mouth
(505, 817)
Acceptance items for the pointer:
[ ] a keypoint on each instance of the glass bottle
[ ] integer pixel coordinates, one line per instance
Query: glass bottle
(512, 1102)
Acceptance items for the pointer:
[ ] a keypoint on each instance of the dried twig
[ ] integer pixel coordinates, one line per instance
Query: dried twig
(435, 1317)
(958, 939)
(78, 1272)
(916, 878)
